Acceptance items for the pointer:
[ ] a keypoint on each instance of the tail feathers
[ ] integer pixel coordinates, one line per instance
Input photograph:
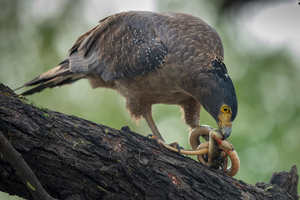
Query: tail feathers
(57, 76)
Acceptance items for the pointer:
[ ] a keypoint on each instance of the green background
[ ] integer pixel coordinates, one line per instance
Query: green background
(36, 35)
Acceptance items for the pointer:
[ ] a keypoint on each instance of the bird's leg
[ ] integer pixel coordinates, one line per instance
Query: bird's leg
(151, 124)
(173, 146)
(191, 113)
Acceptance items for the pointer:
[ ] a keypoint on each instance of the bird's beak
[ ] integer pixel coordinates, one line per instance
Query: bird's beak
(225, 125)
(227, 132)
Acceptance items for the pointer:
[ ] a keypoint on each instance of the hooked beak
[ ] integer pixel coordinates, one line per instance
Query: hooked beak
(224, 126)
(227, 132)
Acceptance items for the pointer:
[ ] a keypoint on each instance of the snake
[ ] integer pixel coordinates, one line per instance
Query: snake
(214, 143)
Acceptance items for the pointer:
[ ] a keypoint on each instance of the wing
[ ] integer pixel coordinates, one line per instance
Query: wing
(121, 46)
(127, 44)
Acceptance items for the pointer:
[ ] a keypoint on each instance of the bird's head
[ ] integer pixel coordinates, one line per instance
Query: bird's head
(217, 96)
(225, 119)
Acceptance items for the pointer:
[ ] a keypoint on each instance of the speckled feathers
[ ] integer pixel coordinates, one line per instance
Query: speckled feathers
(132, 43)
(150, 58)
(121, 46)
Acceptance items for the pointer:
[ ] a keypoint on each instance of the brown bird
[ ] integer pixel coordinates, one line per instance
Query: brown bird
(151, 58)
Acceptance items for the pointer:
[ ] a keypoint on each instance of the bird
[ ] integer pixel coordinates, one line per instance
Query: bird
(152, 58)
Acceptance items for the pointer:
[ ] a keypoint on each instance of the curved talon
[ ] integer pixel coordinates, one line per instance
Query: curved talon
(176, 146)
(151, 136)
(179, 148)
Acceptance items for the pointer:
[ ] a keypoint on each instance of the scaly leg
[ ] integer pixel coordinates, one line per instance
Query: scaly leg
(173, 146)
(152, 126)
(191, 113)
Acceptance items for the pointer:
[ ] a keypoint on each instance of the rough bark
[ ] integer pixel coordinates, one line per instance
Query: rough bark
(78, 159)
(287, 180)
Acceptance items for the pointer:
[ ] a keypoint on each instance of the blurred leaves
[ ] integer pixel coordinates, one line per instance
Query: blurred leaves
(266, 131)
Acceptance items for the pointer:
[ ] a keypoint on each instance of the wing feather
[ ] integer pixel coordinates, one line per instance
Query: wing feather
(121, 46)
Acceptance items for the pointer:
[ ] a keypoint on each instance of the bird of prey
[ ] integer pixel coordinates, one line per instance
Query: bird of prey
(152, 58)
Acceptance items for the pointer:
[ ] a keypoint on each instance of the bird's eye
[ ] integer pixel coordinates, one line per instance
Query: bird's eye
(225, 109)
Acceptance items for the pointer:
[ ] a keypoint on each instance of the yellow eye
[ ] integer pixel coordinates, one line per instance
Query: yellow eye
(225, 109)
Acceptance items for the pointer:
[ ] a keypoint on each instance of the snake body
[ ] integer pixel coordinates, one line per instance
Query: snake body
(214, 143)
(212, 148)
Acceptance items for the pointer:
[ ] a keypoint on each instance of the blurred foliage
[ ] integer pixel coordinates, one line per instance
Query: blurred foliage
(36, 35)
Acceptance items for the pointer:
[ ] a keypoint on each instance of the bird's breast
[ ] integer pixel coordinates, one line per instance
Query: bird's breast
(155, 87)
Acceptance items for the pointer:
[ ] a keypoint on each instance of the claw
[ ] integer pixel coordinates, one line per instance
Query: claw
(174, 146)
(178, 147)
(151, 136)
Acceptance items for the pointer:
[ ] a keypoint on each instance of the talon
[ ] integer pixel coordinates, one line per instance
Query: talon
(151, 136)
(176, 146)
(179, 147)
(173, 146)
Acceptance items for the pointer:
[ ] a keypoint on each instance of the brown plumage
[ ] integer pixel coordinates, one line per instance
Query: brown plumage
(151, 58)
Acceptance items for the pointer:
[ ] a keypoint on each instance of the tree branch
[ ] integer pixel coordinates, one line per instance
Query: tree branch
(28, 177)
(78, 159)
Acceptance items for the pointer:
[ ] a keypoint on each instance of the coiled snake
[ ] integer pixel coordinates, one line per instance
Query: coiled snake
(213, 152)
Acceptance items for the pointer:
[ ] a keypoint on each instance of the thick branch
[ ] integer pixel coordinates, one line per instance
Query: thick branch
(78, 159)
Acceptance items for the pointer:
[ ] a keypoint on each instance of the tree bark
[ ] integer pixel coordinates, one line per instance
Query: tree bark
(78, 159)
